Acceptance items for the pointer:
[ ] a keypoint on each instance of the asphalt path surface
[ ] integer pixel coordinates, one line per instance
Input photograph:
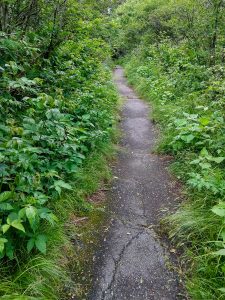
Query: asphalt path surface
(131, 262)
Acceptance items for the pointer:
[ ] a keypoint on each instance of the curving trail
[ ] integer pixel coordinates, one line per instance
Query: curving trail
(131, 263)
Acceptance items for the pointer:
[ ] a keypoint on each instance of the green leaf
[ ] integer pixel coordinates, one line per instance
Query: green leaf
(58, 189)
(204, 152)
(63, 184)
(220, 252)
(22, 213)
(40, 243)
(195, 161)
(9, 251)
(46, 214)
(204, 121)
(11, 217)
(4, 128)
(31, 213)
(180, 122)
(5, 206)
(18, 225)
(205, 165)
(222, 290)
(3, 240)
(30, 244)
(59, 184)
(2, 244)
(188, 138)
(5, 228)
(218, 210)
(5, 196)
(218, 160)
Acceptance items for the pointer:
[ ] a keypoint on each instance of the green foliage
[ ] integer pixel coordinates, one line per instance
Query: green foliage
(55, 110)
(175, 59)
(56, 274)
(57, 107)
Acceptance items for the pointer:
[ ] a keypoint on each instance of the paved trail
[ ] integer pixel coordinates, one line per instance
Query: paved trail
(131, 263)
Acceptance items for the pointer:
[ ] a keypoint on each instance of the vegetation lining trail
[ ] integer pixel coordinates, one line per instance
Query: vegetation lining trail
(174, 56)
(57, 116)
(131, 263)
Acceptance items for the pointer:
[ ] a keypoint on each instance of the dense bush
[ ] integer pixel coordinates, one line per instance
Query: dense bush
(57, 111)
(175, 58)
(56, 107)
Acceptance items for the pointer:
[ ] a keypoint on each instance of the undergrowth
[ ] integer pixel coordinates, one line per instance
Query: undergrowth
(169, 63)
(58, 110)
(65, 271)
(193, 133)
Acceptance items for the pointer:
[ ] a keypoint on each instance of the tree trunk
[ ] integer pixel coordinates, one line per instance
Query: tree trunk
(4, 16)
(213, 42)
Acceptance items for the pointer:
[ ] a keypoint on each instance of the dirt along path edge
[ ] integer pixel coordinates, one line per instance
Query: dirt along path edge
(131, 263)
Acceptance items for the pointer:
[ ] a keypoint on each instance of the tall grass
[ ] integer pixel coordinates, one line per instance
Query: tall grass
(194, 227)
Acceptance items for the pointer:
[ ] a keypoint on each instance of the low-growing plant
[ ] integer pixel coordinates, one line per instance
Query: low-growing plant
(55, 110)
(171, 65)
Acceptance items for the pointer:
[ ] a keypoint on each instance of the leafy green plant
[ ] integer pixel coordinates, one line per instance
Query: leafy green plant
(56, 107)
(172, 55)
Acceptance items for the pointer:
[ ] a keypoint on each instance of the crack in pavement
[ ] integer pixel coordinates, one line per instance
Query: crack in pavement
(131, 224)
(117, 263)
(131, 264)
